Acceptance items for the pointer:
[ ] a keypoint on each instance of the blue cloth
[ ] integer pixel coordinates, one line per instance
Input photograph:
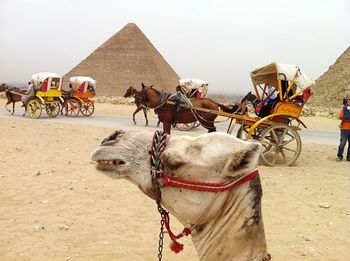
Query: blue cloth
(344, 137)
(346, 113)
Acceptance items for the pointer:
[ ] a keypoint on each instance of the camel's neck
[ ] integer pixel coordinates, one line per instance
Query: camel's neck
(237, 233)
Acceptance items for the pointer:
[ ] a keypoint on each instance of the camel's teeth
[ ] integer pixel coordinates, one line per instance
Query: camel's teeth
(110, 162)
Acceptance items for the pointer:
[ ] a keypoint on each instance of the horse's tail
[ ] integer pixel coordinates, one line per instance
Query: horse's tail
(231, 108)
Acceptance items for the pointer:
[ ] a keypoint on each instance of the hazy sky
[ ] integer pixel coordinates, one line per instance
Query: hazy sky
(218, 41)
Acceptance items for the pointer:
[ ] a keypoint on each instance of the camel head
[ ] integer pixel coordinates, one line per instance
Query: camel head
(212, 158)
(216, 157)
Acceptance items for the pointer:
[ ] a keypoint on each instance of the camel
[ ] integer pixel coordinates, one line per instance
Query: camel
(224, 225)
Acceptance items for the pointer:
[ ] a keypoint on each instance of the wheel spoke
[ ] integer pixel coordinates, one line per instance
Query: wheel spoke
(275, 136)
(283, 135)
(288, 141)
(284, 157)
(274, 157)
(268, 150)
(289, 149)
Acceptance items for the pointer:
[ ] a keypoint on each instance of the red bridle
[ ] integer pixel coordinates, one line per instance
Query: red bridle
(207, 186)
(158, 145)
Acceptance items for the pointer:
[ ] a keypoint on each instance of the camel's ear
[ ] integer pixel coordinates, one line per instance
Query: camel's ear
(243, 159)
(143, 86)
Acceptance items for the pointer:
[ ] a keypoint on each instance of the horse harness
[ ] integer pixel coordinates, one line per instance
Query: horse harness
(144, 102)
(160, 179)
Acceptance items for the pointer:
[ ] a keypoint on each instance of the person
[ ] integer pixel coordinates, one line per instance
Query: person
(91, 88)
(344, 115)
(30, 93)
(266, 106)
(179, 98)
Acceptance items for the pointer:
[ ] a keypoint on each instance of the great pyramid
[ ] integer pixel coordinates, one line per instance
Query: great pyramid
(333, 85)
(126, 59)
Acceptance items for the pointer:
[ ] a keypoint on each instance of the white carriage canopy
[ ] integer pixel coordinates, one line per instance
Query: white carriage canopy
(46, 80)
(197, 84)
(81, 79)
(82, 82)
(276, 71)
(192, 83)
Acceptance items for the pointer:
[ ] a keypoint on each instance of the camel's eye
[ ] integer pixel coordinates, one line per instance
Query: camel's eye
(173, 165)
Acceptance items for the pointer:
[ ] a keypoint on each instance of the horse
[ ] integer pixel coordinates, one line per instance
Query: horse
(13, 95)
(168, 114)
(132, 92)
(252, 99)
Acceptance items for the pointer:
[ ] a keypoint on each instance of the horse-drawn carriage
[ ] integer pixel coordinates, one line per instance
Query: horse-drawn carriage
(192, 88)
(281, 90)
(78, 98)
(47, 94)
(277, 129)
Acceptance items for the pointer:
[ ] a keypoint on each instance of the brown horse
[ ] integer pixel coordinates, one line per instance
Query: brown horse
(11, 97)
(168, 114)
(132, 92)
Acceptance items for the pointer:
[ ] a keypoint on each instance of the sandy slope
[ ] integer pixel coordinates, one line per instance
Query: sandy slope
(112, 220)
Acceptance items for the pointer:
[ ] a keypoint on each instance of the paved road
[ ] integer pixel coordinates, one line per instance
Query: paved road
(307, 136)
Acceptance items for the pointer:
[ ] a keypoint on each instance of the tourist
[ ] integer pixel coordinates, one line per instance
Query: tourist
(344, 115)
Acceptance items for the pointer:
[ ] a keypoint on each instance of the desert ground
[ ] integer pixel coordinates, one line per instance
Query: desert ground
(54, 205)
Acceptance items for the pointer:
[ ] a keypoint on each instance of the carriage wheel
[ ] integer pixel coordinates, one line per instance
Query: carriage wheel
(52, 108)
(34, 108)
(72, 107)
(87, 108)
(187, 126)
(243, 132)
(281, 145)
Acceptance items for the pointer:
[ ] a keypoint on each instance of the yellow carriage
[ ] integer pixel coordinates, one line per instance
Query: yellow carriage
(47, 95)
(288, 89)
(281, 90)
(82, 89)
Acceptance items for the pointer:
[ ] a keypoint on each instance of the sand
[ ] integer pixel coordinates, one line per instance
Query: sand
(55, 206)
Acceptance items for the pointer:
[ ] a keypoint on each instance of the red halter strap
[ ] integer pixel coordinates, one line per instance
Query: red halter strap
(207, 186)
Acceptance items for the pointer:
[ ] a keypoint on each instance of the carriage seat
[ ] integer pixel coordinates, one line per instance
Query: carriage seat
(290, 108)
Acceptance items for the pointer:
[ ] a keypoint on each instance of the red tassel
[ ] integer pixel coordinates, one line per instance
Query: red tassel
(186, 231)
(176, 247)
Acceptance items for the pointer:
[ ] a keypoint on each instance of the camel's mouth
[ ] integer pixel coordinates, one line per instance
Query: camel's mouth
(109, 165)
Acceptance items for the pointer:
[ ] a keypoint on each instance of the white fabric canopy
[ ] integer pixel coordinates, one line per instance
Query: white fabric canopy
(276, 71)
(40, 77)
(81, 79)
(192, 83)
(188, 85)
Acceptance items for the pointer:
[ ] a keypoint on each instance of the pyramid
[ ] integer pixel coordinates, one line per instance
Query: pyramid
(333, 85)
(126, 59)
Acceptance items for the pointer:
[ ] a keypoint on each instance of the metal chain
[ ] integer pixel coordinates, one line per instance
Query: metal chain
(161, 233)
(155, 173)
